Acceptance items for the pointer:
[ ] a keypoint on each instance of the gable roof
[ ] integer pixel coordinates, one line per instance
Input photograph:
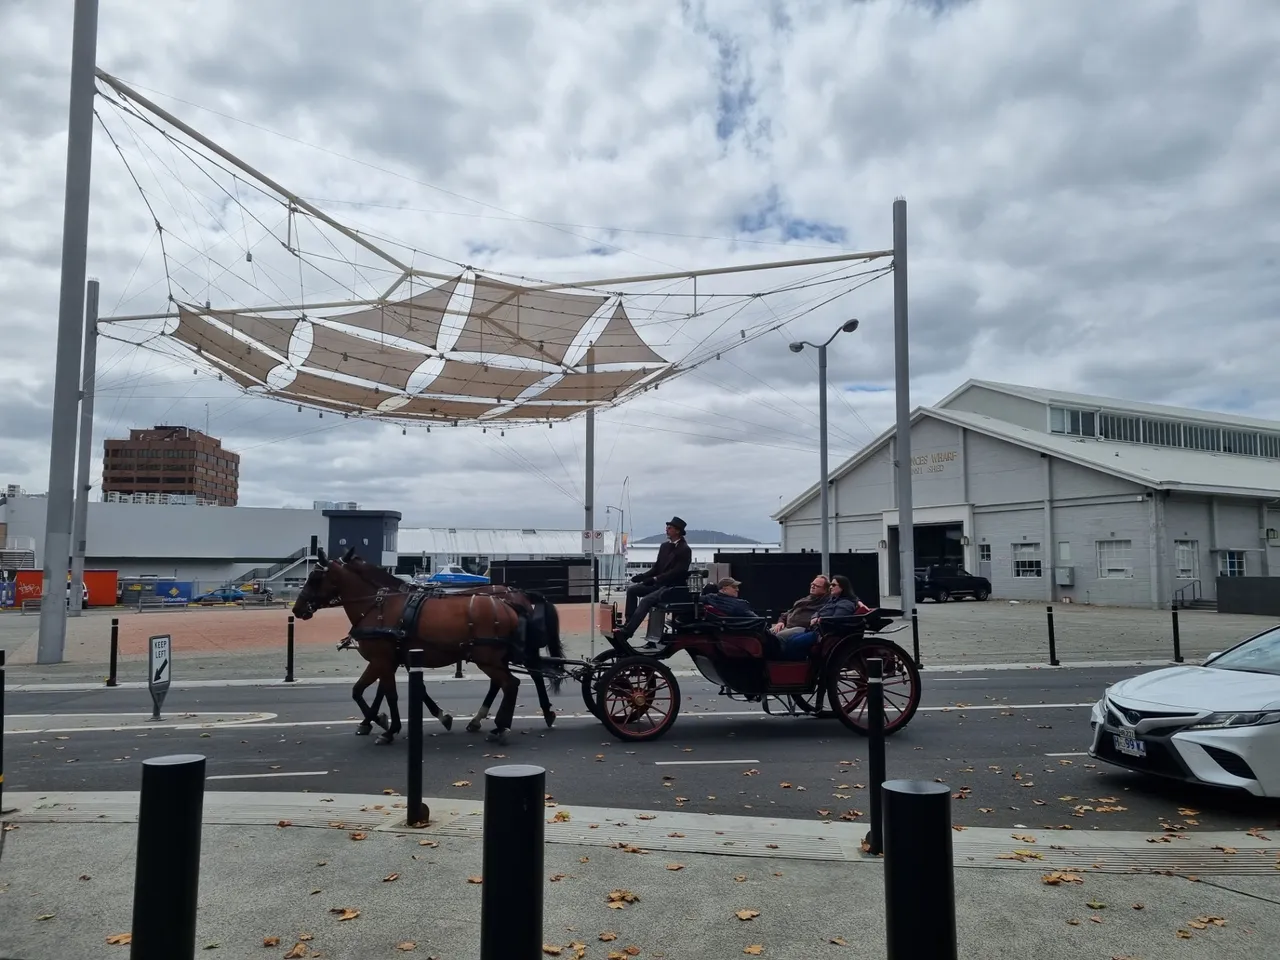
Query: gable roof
(1088, 401)
(1160, 468)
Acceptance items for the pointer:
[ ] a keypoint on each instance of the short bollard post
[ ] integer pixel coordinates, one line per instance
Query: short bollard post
(1177, 638)
(2, 673)
(167, 876)
(1053, 643)
(915, 639)
(457, 671)
(288, 656)
(511, 897)
(115, 652)
(875, 751)
(416, 813)
(919, 882)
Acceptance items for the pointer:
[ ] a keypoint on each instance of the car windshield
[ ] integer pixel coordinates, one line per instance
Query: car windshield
(1258, 655)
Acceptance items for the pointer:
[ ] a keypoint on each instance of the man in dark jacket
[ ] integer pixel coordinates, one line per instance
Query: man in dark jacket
(726, 602)
(796, 620)
(671, 569)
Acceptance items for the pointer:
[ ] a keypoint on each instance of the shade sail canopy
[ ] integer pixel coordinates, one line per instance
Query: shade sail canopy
(313, 387)
(218, 345)
(543, 411)
(361, 357)
(433, 408)
(482, 380)
(518, 322)
(619, 343)
(417, 318)
(604, 385)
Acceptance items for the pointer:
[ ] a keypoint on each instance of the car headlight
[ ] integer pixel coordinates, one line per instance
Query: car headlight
(1222, 721)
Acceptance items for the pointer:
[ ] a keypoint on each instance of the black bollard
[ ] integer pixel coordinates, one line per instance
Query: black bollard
(1177, 638)
(457, 671)
(167, 877)
(875, 751)
(288, 656)
(915, 639)
(919, 881)
(2, 672)
(115, 652)
(416, 812)
(1053, 643)
(511, 897)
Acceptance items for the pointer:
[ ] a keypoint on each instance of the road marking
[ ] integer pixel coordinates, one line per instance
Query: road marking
(263, 776)
(968, 679)
(697, 763)
(1066, 754)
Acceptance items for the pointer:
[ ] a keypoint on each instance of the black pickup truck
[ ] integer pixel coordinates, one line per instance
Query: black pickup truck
(943, 582)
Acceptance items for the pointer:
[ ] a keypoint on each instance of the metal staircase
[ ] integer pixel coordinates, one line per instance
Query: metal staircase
(19, 553)
(1189, 597)
(273, 572)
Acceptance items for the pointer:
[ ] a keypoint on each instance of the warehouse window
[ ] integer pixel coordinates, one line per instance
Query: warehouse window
(1240, 441)
(1201, 438)
(1186, 559)
(1026, 560)
(1269, 445)
(1114, 427)
(1075, 423)
(1162, 433)
(1231, 563)
(984, 553)
(1115, 559)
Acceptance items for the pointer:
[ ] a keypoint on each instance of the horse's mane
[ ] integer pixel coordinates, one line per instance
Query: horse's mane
(376, 575)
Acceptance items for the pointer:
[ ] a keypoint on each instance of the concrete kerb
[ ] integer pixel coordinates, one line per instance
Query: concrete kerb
(1209, 853)
(84, 687)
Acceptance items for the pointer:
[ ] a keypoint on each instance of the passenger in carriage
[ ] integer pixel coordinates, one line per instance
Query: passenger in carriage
(796, 620)
(840, 602)
(726, 601)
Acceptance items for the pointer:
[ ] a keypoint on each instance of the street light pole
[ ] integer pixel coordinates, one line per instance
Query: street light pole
(823, 493)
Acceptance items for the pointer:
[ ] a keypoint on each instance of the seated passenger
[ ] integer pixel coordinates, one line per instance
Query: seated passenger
(796, 620)
(840, 602)
(726, 601)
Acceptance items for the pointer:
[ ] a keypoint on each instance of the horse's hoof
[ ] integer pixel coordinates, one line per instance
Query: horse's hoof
(363, 729)
(446, 721)
(549, 716)
(384, 738)
(497, 736)
(473, 726)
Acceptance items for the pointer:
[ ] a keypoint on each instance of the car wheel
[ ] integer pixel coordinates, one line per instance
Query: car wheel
(942, 596)
(981, 595)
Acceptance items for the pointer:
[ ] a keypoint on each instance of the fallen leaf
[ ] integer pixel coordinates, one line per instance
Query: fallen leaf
(475, 880)
(1023, 837)
(359, 836)
(1188, 812)
(285, 823)
(562, 816)
(391, 878)
(608, 936)
(1227, 850)
(407, 946)
(462, 783)
(675, 866)
(1074, 921)
(212, 946)
(120, 939)
(618, 899)
(296, 951)
(838, 941)
(345, 913)
(754, 949)
(428, 843)
(1061, 876)
(679, 835)
(305, 937)
(551, 950)
(957, 827)
(271, 941)
(785, 785)
(1096, 905)
(1184, 934)
(740, 878)
(646, 816)
(584, 859)
(631, 951)
(46, 916)
(747, 914)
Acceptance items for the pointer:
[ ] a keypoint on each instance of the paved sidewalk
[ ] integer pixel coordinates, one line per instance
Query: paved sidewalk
(286, 866)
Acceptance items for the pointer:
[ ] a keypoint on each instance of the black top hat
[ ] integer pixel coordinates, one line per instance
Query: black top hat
(676, 522)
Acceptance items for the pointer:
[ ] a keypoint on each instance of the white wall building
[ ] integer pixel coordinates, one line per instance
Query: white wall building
(641, 556)
(475, 548)
(1064, 497)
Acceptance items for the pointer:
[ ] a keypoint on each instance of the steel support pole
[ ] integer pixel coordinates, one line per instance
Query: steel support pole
(589, 517)
(512, 894)
(919, 875)
(902, 386)
(416, 812)
(288, 656)
(875, 752)
(84, 456)
(1053, 639)
(2, 682)
(167, 874)
(1177, 638)
(823, 492)
(115, 652)
(75, 243)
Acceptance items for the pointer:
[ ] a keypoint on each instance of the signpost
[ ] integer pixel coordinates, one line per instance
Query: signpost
(592, 541)
(159, 669)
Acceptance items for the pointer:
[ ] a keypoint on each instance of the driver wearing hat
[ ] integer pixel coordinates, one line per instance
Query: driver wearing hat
(670, 569)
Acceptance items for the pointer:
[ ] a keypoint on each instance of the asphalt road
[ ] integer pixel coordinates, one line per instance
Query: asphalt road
(1010, 743)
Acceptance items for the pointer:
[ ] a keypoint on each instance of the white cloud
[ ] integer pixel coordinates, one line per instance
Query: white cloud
(1092, 206)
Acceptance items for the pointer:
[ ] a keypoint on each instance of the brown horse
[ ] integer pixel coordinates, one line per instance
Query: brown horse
(484, 629)
(525, 598)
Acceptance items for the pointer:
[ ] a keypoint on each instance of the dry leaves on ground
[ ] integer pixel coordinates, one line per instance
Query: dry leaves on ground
(284, 823)
(1061, 876)
(345, 913)
(391, 878)
(551, 950)
(675, 866)
(297, 951)
(462, 783)
(838, 941)
(1023, 837)
(475, 880)
(747, 914)
(1203, 923)
(618, 899)
(562, 816)
(1022, 856)
(46, 916)
(406, 946)
(608, 936)
(120, 939)
(358, 836)
(428, 843)
(1227, 850)
(754, 949)
(271, 941)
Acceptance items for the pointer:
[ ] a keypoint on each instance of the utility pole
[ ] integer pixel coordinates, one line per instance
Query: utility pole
(84, 458)
(902, 387)
(71, 302)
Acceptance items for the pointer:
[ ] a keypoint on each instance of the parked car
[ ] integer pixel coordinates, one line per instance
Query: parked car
(1216, 724)
(84, 596)
(223, 595)
(451, 574)
(943, 582)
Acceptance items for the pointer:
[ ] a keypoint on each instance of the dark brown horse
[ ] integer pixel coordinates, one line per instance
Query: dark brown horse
(526, 598)
(485, 629)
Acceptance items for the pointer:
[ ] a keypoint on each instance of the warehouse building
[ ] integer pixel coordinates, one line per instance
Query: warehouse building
(475, 549)
(1063, 497)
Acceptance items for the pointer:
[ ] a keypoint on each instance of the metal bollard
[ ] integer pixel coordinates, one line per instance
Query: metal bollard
(288, 657)
(167, 876)
(2, 675)
(915, 639)
(1177, 638)
(416, 812)
(875, 751)
(1053, 644)
(457, 670)
(511, 897)
(919, 881)
(115, 652)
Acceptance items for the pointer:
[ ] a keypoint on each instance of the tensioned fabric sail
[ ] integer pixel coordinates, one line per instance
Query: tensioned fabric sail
(214, 342)
(619, 343)
(418, 318)
(358, 357)
(515, 322)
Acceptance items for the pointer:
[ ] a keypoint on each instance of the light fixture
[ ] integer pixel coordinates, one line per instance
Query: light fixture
(884, 544)
(795, 347)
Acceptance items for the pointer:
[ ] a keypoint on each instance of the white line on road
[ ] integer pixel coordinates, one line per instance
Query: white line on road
(263, 776)
(1066, 754)
(697, 763)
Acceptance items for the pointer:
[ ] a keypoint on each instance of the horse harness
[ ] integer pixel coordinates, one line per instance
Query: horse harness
(406, 627)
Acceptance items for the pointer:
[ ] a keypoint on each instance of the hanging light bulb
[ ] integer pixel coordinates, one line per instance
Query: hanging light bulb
(404, 432)
(299, 408)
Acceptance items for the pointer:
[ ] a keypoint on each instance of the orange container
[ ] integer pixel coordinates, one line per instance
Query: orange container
(100, 583)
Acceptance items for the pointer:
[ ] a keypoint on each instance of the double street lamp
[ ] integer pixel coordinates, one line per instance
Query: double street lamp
(847, 327)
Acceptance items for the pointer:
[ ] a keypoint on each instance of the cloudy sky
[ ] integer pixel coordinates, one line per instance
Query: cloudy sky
(1092, 187)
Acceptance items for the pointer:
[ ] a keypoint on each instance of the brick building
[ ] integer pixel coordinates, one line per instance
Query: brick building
(171, 460)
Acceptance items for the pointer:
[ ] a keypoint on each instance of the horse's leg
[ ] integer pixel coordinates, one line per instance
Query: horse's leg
(357, 694)
(446, 719)
(544, 701)
(387, 684)
(483, 713)
(510, 685)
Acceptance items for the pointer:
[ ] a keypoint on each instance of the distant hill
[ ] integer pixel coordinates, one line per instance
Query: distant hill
(701, 536)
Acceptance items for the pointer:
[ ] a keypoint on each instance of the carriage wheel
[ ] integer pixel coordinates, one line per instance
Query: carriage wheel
(811, 707)
(847, 685)
(591, 678)
(639, 698)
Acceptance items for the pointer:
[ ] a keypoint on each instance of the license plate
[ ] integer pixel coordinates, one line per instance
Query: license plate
(1130, 747)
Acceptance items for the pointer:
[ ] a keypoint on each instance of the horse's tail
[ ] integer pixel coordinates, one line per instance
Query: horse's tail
(551, 633)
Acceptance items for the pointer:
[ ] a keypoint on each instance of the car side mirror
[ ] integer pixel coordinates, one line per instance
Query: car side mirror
(1212, 656)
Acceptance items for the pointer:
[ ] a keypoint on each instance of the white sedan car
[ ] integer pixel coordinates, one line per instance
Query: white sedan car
(1216, 724)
